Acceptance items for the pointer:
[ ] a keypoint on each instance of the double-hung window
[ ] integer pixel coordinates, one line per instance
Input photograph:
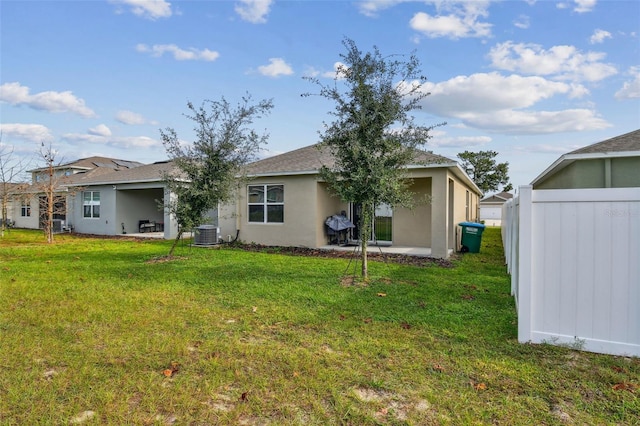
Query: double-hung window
(266, 203)
(91, 204)
(25, 209)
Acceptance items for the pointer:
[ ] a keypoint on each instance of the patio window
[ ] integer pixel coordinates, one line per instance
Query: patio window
(266, 203)
(25, 209)
(91, 204)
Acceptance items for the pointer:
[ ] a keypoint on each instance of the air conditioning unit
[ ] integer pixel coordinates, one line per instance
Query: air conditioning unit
(56, 225)
(206, 235)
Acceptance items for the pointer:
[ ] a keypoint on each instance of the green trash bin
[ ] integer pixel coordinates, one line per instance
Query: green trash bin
(471, 236)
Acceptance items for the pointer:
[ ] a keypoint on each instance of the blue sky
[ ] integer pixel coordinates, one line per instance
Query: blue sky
(529, 79)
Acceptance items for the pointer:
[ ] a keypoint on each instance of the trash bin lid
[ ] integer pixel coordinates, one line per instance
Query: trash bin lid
(472, 225)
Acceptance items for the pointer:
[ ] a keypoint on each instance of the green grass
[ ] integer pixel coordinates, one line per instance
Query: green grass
(92, 324)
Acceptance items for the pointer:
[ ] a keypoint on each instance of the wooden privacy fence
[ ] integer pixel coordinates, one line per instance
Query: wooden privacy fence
(574, 260)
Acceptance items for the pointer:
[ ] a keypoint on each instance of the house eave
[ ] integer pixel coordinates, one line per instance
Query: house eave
(112, 182)
(270, 174)
(568, 159)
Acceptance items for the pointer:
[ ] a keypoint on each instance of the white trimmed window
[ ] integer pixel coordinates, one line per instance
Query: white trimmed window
(266, 203)
(91, 204)
(25, 209)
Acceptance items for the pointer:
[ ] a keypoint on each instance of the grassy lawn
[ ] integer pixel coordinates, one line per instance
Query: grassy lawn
(94, 331)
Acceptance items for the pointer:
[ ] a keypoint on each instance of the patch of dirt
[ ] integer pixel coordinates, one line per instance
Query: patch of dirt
(368, 395)
(403, 259)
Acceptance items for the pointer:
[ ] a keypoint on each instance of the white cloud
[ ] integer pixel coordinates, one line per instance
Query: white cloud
(276, 68)
(548, 149)
(630, 89)
(502, 104)
(150, 9)
(254, 11)
(522, 22)
(460, 21)
(538, 122)
(28, 132)
(441, 139)
(17, 94)
(100, 130)
(132, 118)
(191, 54)
(579, 6)
(599, 36)
(583, 6)
(492, 92)
(371, 8)
(118, 141)
(561, 62)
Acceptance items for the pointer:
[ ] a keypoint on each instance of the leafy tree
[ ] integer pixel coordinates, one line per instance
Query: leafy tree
(207, 171)
(373, 137)
(484, 171)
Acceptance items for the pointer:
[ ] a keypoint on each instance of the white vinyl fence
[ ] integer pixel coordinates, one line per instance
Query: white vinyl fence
(574, 260)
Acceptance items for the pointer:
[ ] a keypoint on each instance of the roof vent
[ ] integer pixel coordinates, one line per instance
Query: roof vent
(206, 235)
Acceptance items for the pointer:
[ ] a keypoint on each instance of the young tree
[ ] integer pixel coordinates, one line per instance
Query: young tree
(484, 171)
(207, 171)
(373, 137)
(10, 169)
(48, 185)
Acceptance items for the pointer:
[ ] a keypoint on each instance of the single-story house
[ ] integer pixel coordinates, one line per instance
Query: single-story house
(491, 208)
(122, 201)
(572, 243)
(286, 203)
(28, 206)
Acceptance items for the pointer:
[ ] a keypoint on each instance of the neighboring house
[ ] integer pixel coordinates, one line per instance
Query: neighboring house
(123, 201)
(29, 208)
(572, 243)
(9, 196)
(286, 203)
(491, 208)
(613, 163)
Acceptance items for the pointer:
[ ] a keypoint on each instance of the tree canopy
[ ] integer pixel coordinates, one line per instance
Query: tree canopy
(485, 171)
(374, 136)
(207, 170)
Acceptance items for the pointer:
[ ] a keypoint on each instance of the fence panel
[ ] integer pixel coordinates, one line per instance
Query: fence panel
(575, 265)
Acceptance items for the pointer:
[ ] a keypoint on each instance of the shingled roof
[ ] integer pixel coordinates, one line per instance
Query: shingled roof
(144, 173)
(623, 143)
(310, 159)
(626, 145)
(94, 162)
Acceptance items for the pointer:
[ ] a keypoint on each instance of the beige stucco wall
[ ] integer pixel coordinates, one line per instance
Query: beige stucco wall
(412, 228)
(301, 214)
(327, 205)
(307, 204)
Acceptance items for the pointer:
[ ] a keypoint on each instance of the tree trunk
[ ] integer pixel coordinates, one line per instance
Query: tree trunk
(50, 206)
(175, 243)
(365, 232)
(4, 211)
(365, 265)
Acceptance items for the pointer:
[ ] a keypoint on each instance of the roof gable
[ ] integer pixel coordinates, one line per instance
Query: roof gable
(497, 198)
(310, 159)
(626, 145)
(94, 162)
(144, 173)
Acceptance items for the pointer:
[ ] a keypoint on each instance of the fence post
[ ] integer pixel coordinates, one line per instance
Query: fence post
(524, 259)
